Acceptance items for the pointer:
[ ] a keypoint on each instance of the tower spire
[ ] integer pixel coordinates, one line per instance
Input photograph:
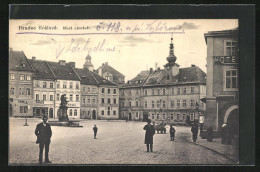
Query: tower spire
(171, 58)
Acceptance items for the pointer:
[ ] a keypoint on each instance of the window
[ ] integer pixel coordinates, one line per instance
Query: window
(107, 77)
(178, 117)
(192, 117)
(123, 93)
(64, 85)
(58, 84)
(164, 91)
(184, 90)
(152, 116)
(93, 90)
(172, 103)
(12, 76)
(231, 79)
(88, 101)
(58, 97)
(71, 85)
(51, 97)
(84, 89)
(137, 92)
(114, 101)
(44, 96)
(21, 91)
(168, 77)
(102, 112)
(103, 90)
(158, 116)
(75, 112)
(171, 116)
(130, 103)
(130, 92)
(192, 103)
(23, 109)
(164, 116)
(183, 117)
(84, 101)
(179, 91)
(158, 103)
(37, 97)
(70, 112)
(71, 97)
(108, 91)
(108, 111)
(77, 86)
(21, 77)
(123, 104)
(114, 91)
(184, 103)
(145, 92)
(192, 90)
(136, 103)
(172, 90)
(108, 100)
(28, 77)
(11, 90)
(114, 113)
(230, 48)
(178, 103)
(164, 104)
(152, 104)
(136, 114)
(145, 104)
(44, 85)
(103, 100)
(158, 91)
(77, 98)
(51, 85)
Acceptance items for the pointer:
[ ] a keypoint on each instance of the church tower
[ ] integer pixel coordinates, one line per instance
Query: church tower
(171, 68)
(88, 65)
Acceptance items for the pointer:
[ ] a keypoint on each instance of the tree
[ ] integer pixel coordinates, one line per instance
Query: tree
(63, 108)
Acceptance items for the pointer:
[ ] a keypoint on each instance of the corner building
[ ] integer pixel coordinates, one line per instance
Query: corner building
(170, 94)
(222, 96)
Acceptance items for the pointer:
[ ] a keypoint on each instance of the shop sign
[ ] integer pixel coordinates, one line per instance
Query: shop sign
(71, 105)
(226, 59)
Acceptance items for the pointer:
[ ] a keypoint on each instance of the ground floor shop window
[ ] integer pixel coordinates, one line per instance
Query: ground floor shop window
(70, 112)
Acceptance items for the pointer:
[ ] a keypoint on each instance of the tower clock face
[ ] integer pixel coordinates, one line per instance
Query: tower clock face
(175, 70)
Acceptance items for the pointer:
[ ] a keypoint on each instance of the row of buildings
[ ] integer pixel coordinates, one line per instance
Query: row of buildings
(171, 94)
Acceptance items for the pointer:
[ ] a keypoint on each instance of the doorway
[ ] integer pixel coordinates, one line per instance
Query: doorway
(51, 113)
(145, 117)
(93, 114)
(130, 117)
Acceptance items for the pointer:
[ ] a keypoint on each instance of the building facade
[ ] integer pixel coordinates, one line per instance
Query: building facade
(170, 94)
(20, 85)
(222, 96)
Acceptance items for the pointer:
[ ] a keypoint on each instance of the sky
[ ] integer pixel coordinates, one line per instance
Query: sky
(129, 46)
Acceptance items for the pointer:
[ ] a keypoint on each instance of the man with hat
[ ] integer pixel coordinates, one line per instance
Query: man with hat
(43, 133)
(149, 135)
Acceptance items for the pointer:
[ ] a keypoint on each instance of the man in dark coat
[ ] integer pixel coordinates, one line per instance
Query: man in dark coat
(194, 130)
(95, 131)
(43, 133)
(150, 131)
(172, 132)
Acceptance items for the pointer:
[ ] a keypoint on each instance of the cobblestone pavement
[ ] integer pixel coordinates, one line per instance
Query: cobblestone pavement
(118, 142)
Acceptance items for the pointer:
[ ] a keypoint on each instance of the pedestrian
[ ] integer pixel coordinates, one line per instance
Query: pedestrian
(95, 131)
(150, 131)
(43, 133)
(172, 132)
(224, 134)
(194, 130)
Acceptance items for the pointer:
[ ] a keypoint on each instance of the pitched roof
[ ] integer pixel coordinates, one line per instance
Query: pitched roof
(158, 77)
(106, 68)
(41, 69)
(91, 78)
(16, 61)
(64, 72)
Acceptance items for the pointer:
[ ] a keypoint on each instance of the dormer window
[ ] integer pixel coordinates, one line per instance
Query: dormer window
(23, 64)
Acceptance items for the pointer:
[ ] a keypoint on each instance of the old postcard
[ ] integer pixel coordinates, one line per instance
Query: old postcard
(117, 91)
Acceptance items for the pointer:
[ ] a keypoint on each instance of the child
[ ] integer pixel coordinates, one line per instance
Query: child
(95, 131)
(172, 133)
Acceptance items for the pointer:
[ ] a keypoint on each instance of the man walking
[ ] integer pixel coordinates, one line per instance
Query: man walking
(95, 131)
(43, 133)
(172, 132)
(194, 130)
(149, 135)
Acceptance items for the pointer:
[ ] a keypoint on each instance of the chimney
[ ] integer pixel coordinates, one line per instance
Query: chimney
(33, 58)
(62, 62)
(151, 70)
(192, 65)
(100, 71)
(72, 64)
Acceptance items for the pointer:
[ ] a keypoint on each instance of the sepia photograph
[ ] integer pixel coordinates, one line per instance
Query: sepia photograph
(123, 91)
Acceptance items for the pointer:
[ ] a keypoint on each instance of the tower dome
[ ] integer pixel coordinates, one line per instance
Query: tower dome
(171, 58)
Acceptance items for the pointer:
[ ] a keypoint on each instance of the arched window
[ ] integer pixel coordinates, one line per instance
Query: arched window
(171, 116)
(70, 112)
(75, 112)
(158, 116)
